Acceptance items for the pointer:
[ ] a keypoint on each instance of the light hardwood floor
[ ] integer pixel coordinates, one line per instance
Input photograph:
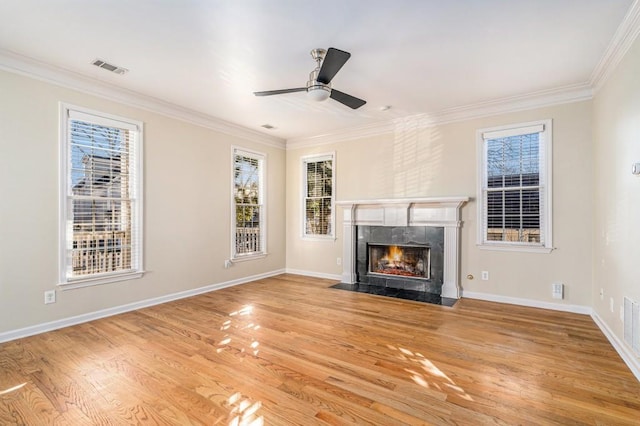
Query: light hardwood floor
(290, 350)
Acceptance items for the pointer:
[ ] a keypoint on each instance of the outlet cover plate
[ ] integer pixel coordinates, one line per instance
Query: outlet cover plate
(49, 297)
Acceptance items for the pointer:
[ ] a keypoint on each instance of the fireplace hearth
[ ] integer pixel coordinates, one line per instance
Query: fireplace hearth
(416, 296)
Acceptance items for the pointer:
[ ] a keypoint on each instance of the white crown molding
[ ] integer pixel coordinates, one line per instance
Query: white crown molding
(621, 42)
(540, 99)
(32, 68)
(79, 319)
(544, 98)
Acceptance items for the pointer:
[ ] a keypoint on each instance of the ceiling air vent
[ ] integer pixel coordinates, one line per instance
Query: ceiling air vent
(109, 67)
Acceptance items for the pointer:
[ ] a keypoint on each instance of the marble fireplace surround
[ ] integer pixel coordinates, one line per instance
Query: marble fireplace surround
(441, 212)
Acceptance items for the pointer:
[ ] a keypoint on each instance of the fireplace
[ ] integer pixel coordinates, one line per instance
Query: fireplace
(408, 261)
(430, 223)
(401, 257)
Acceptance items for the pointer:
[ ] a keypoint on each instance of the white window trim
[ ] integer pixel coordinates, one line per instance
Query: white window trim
(546, 133)
(65, 282)
(303, 193)
(263, 201)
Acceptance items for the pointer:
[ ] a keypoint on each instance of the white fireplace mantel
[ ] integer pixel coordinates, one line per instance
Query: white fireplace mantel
(441, 212)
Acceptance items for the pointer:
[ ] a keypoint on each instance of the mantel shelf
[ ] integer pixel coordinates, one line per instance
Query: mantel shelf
(427, 202)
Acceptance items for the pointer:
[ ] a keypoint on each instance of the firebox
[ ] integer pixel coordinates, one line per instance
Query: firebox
(400, 257)
(407, 261)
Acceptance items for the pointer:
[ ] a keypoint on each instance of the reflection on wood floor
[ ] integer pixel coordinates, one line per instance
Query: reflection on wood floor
(291, 350)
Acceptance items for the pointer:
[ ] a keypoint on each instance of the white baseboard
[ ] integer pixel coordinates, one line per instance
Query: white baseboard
(576, 309)
(623, 350)
(336, 277)
(65, 322)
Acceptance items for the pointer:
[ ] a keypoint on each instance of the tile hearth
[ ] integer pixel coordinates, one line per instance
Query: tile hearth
(417, 296)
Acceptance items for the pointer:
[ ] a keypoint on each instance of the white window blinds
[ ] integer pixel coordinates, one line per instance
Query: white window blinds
(515, 186)
(318, 209)
(101, 227)
(248, 203)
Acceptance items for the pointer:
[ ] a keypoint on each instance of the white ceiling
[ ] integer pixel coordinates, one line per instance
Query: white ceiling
(418, 56)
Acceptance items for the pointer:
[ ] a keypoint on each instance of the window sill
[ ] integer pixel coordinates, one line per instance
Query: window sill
(88, 282)
(515, 248)
(244, 258)
(319, 237)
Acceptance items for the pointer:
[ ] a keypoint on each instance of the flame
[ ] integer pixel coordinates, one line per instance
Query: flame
(394, 254)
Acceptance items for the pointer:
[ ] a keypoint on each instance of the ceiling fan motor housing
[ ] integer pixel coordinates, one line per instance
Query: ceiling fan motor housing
(317, 91)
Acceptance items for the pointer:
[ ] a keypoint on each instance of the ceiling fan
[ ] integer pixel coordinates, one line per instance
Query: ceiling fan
(318, 87)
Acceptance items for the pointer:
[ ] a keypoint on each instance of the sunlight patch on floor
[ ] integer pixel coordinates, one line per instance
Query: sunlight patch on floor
(13, 389)
(428, 375)
(240, 320)
(244, 412)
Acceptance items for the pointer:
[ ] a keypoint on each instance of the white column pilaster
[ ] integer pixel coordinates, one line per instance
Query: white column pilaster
(349, 244)
(451, 272)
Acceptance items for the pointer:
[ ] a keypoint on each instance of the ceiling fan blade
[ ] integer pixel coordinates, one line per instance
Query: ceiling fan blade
(333, 61)
(348, 100)
(280, 92)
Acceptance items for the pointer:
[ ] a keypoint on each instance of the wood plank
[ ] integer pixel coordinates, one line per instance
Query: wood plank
(291, 350)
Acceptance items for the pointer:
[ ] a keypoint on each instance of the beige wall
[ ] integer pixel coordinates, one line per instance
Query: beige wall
(187, 178)
(617, 192)
(441, 161)
(187, 182)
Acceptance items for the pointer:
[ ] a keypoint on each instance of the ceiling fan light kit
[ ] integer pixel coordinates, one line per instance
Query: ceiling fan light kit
(328, 63)
(318, 93)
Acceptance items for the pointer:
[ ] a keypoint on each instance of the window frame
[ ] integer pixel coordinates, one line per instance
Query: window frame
(545, 158)
(262, 203)
(314, 158)
(68, 113)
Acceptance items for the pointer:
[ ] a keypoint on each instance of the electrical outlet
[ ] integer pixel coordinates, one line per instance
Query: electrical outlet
(557, 291)
(338, 261)
(611, 304)
(227, 264)
(49, 297)
(484, 276)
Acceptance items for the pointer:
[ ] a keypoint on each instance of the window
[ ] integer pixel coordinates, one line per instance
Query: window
(514, 190)
(101, 197)
(248, 204)
(318, 199)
